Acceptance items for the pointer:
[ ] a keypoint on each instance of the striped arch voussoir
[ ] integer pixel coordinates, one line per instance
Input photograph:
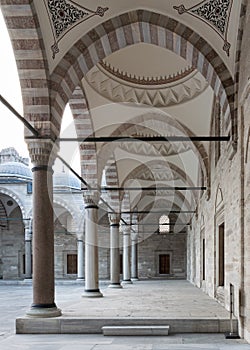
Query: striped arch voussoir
(142, 26)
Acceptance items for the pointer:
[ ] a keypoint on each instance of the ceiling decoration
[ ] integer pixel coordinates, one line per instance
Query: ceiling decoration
(160, 174)
(170, 90)
(215, 13)
(156, 149)
(146, 80)
(65, 15)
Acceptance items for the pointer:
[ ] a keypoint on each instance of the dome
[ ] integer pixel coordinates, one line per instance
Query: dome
(67, 180)
(15, 169)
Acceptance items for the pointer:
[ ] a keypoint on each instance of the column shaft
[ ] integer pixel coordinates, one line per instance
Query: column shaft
(134, 260)
(80, 260)
(114, 256)
(126, 256)
(43, 239)
(43, 153)
(28, 259)
(91, 253)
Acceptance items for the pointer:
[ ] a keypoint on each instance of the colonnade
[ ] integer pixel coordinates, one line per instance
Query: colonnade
(43, 241)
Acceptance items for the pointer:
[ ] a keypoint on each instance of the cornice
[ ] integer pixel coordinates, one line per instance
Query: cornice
(145, 81)
(163, 92)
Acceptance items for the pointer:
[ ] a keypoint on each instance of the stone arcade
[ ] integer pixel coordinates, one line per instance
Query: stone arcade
(159, 95)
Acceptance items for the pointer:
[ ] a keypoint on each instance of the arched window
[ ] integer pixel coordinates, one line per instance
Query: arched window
(164, 224)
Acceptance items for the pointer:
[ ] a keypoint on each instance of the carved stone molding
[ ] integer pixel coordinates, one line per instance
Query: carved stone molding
(156, 149)
(134, 235)
(147, 81)
(162, 174)
(91, 198)
(126, 230)
(42, 152)
(160, 95)
(114, 218)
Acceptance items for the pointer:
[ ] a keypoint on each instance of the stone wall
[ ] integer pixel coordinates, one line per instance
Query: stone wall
(157, 244)
(223, 207)
(229, 202)
(244, 109)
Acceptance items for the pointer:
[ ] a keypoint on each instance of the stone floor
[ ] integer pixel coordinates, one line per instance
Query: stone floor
(162, 298)
(15, 300)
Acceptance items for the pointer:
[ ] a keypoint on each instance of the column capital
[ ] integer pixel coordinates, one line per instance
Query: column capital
(28, 228)
(80, 236)
(114, 219)
(126, 230)
(42, 152)
(91, 198)
(134, 236)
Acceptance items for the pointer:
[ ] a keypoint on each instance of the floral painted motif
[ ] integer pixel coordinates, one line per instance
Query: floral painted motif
(65, 15)
(215, 13)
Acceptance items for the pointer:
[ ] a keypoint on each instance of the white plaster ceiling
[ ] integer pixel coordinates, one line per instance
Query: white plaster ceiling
(149, 61)
(117, 7)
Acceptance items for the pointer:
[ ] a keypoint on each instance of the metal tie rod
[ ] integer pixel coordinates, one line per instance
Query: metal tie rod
(24, 121)
(159, 212)
(37, 136)
(176, 188)
(107, 139)
(157, 224)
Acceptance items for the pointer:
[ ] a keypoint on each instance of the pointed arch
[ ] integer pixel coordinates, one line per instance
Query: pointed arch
(219, 201)
(137, 27)
(16, 198)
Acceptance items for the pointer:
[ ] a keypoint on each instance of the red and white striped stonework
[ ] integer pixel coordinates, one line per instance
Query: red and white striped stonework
(45, 95)
(136, 27)
(27, 42)
(84, 128)
(113, 181)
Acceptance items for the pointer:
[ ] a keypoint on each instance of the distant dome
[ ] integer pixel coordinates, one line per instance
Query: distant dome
(67, 180)
(15, 169)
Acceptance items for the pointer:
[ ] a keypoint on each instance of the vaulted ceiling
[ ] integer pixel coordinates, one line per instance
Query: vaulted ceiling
(146, 69)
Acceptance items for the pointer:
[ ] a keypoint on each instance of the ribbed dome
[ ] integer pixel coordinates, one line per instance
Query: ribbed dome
(67, 180)
(15, 169)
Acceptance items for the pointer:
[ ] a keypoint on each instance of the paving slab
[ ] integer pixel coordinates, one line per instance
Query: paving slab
(16, 299)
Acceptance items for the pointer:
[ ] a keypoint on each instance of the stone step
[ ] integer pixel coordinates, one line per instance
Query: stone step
(135, 330)
(94, 325)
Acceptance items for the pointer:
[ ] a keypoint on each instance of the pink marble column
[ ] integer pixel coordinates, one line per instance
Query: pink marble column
(28, 249)
(43, 232)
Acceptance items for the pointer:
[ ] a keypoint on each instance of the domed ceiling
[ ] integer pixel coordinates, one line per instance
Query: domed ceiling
(143, 87)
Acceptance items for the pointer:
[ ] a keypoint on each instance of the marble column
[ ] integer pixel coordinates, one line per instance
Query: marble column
(80, 259)
(114, 220)
(42, 157)
(126, 255)
(134, 256)
(28, 249)
(91, 245)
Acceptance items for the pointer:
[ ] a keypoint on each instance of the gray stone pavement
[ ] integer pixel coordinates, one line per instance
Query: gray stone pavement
(16, 299)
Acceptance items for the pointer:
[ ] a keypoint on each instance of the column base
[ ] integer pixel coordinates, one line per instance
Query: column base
(80, 280)
(92, 293)
(127, 281)
(115, 285)
(43, 311)
(133, 279)
(28, 280)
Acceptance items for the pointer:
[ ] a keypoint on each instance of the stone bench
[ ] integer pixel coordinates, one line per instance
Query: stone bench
(135, 330)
